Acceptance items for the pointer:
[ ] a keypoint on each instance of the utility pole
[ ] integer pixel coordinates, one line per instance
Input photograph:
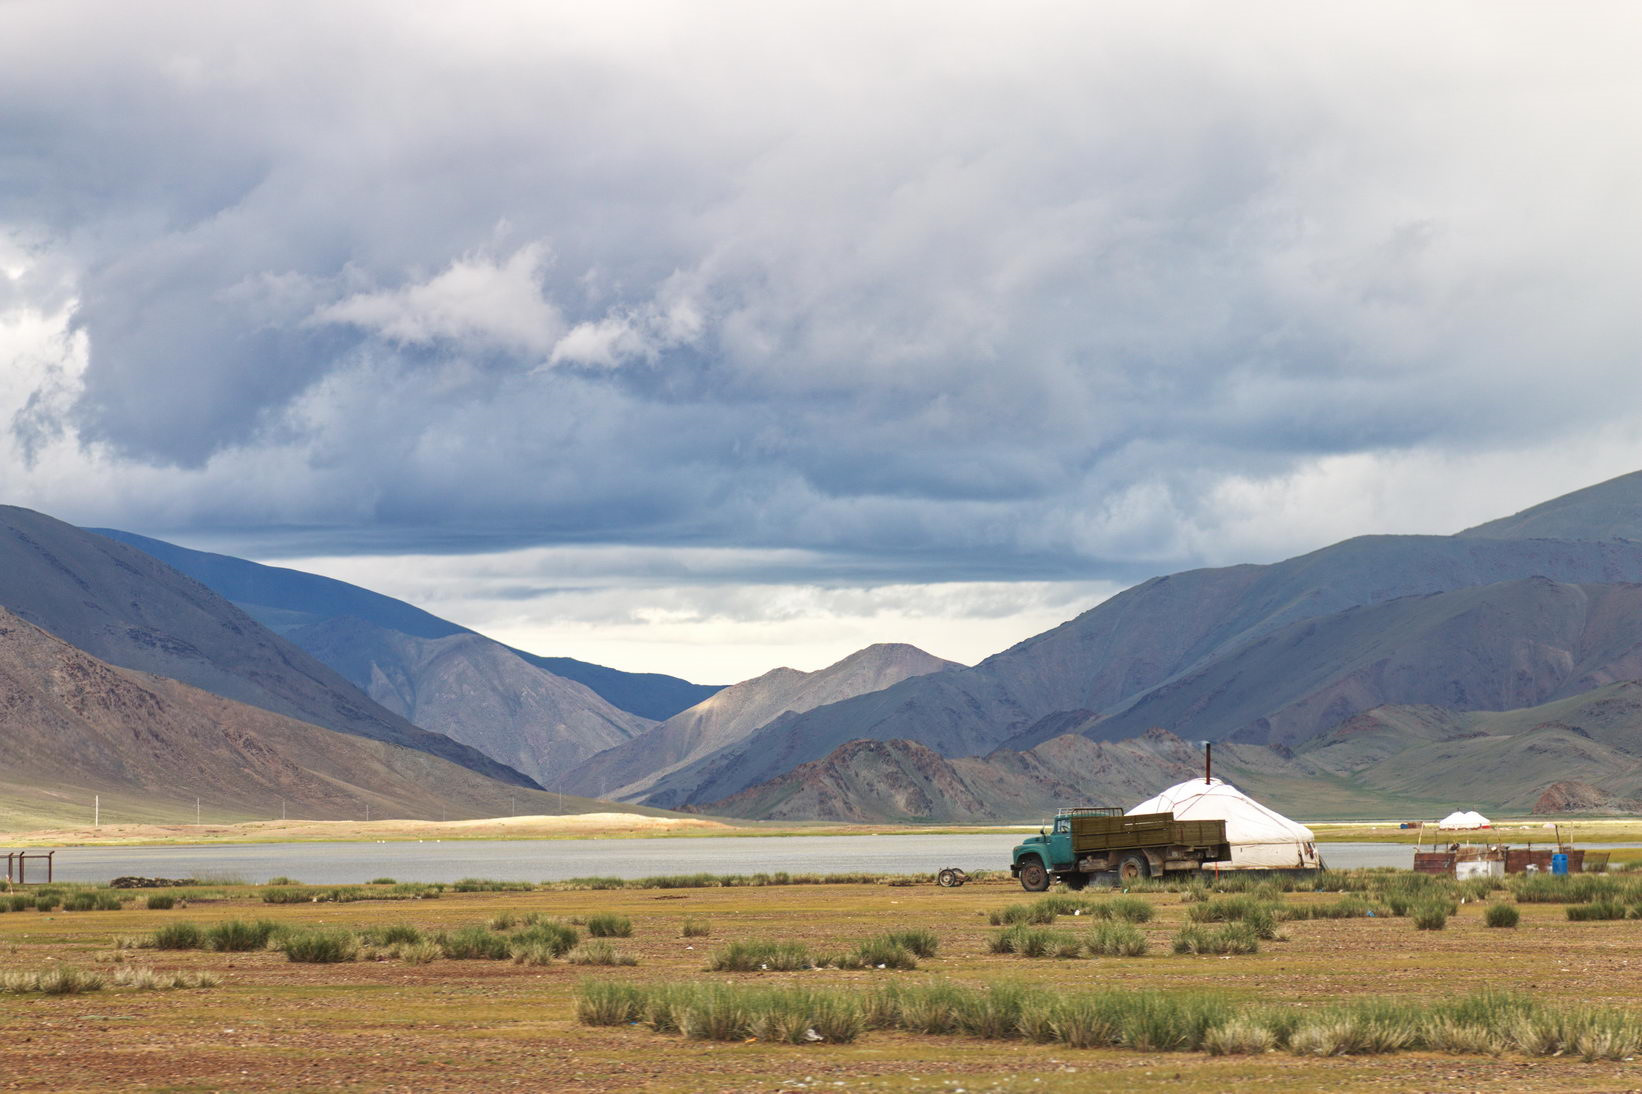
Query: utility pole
(367, 811)
(96, 811)
(282, 809)
(196, 810)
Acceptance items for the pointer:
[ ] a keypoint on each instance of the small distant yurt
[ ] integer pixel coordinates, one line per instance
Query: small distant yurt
(1260, 838)
(1464, 821)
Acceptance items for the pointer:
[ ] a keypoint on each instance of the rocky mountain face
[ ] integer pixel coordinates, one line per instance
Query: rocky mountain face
(127, 608)
(283, 600)
(1580, 754)
(1165, 646)
(901, 781)
(1500, 617)
(75, 726)
(475, 691)
(639, 768)
(1494, 647)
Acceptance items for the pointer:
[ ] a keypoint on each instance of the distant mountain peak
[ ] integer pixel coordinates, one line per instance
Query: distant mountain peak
(721, 722)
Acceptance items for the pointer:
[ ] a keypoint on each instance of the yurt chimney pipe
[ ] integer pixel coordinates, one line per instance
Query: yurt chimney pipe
(1208, 762)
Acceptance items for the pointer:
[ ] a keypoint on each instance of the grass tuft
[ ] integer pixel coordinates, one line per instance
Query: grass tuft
(1430, 917)
(1115, 940)
(178, 936)
(608, 925)
(319, 946)
(1228, 938)
(761, 957)
(599, 951)
(474, 944)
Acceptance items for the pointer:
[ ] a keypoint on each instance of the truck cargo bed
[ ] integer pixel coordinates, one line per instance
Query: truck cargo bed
(1092, 835)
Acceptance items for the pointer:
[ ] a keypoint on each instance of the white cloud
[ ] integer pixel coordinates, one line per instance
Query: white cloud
(705, 613)
(475, 300)
(968, 295)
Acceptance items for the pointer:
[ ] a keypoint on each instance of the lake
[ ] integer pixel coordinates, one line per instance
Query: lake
(556, 860)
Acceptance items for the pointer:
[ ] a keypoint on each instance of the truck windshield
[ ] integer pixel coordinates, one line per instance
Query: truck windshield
(1063, 824)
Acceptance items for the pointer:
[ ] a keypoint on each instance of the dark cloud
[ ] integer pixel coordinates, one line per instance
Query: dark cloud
(993, 294)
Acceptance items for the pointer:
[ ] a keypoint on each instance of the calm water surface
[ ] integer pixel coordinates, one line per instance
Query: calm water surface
(555, 860)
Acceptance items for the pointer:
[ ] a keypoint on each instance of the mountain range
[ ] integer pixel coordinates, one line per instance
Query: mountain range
(154, 749)
(283, 599)
(125, 607)
(1497, 667)
(1279, 655)
(475, 691)
(638, 768)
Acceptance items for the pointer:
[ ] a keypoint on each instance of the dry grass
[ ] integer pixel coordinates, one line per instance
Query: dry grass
(464, 1024)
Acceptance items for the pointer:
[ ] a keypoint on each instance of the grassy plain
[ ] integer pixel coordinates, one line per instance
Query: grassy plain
(458, 1025)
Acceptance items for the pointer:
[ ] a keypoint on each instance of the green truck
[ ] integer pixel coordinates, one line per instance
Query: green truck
(1088, 842)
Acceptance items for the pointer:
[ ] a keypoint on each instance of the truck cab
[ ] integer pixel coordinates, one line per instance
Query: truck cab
(1050, 851)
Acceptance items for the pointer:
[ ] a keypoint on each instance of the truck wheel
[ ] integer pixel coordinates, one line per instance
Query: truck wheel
(1132, 868)
(1034, 878)
(947, 878)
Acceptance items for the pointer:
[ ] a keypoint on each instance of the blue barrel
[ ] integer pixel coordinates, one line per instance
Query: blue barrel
(1559, 863)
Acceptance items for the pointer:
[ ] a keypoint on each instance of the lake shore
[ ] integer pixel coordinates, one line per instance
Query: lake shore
(1522, 831)
(575, 826)
(615, 825)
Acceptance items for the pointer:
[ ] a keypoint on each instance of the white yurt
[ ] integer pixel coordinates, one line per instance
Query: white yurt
(1260, 838)
(1464, 821)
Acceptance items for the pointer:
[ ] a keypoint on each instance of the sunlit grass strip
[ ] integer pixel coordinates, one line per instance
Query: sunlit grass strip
(738, 881)
(348, 894)
(1131, 909)
(761, 957)
(1486, 1023)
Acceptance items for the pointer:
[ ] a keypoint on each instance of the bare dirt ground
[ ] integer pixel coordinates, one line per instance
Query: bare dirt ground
(485, 1025)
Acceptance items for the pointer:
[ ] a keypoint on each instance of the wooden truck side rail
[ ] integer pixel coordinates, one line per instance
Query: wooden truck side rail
(1096, 835)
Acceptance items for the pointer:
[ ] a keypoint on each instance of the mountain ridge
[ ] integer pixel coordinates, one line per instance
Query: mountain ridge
(721, 720)
(1107, 658)
(76, 726)
(476, 691)
(123, 606)
(283, 599)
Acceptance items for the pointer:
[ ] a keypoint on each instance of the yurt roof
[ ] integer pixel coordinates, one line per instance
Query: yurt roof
(1247, 821)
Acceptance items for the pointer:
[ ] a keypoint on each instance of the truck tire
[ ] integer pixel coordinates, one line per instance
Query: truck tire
(1132, 867)
(1034, 878)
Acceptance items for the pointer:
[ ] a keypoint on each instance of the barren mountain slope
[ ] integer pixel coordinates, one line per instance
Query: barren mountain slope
(125, 607)
(878, 781)
(632, 769)
(75, 726)
(1498, 647)
(475, 691)
(282, 599)
(1608, 510)
(1141, 639)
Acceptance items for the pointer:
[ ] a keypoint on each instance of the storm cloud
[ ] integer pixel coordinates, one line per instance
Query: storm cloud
(1064, 291)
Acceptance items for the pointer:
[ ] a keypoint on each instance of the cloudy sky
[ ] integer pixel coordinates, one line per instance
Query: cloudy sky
(702, 338)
